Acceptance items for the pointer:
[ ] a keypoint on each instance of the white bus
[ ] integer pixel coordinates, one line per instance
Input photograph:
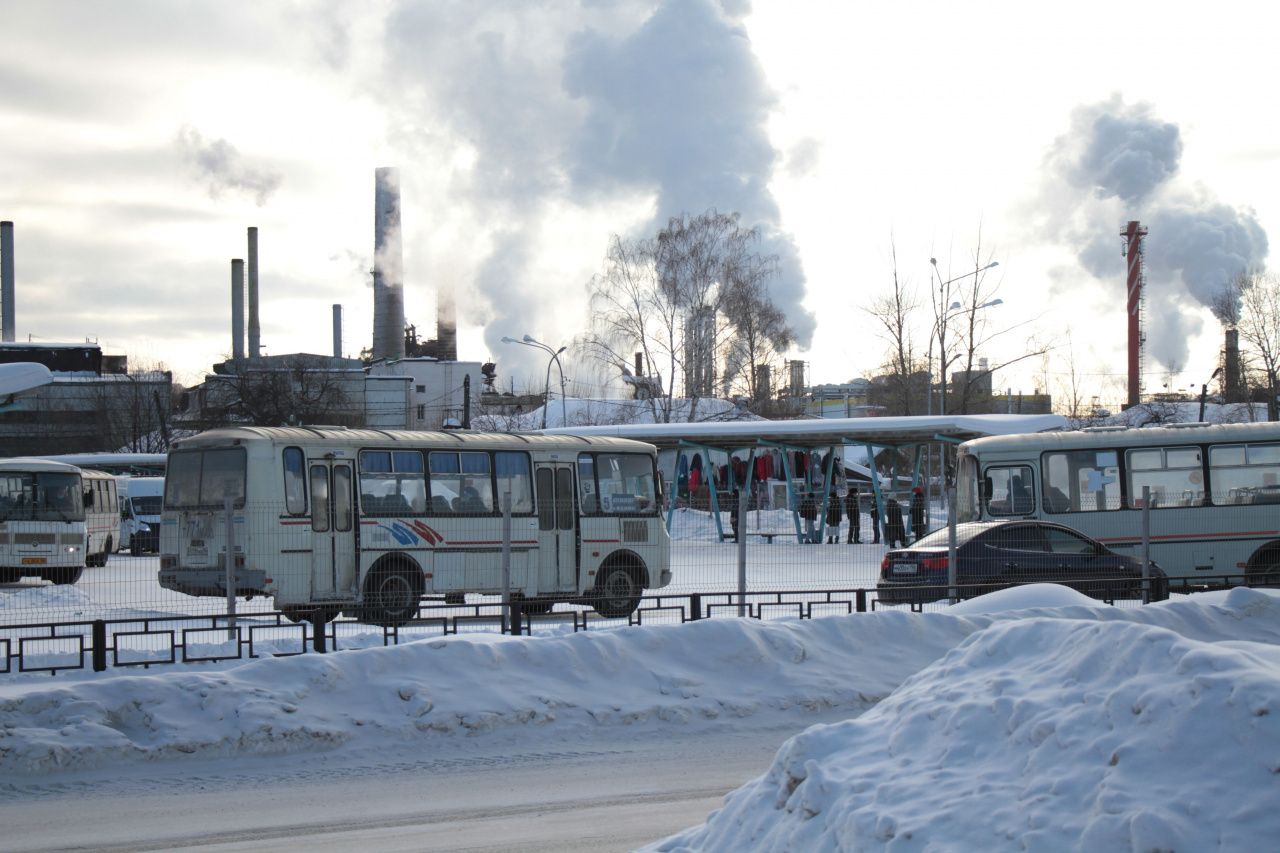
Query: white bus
(366, 522)
(101, 515)
(42, 529)
(1214, 490)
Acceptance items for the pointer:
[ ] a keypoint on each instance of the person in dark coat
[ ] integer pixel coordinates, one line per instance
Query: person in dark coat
(918, 525)
(895, 531)
(809, 512)
(834, 514)
(875, 522)
(854, 512)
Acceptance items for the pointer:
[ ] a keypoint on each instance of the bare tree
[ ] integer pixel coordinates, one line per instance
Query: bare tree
(693, 297)
(300, 390)
(761, 337)
(893, 312)
(1251, 302)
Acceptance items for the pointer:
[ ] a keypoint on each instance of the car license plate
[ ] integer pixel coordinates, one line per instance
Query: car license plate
(34, 561)
(904, 568)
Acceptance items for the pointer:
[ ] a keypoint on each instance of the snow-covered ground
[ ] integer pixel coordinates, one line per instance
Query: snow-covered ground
(1069, 725)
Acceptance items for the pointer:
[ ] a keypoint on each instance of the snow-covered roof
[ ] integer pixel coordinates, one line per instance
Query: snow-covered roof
(824, 432)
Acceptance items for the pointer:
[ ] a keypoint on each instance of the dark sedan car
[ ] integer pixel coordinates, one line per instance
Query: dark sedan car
(992, 554)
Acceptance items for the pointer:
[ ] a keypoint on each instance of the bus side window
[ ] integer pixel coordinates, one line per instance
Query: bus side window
(295, 490)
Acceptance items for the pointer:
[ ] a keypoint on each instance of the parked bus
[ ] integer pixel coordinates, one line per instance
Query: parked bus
(366, 522)
(42, 528)
(101, 515)
(1214, 490)
(140, 502)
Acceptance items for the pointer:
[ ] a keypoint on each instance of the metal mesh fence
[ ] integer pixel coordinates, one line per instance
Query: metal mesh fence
(1199, 541)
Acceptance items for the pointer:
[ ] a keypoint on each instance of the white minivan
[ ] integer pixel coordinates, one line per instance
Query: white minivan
(140, 504)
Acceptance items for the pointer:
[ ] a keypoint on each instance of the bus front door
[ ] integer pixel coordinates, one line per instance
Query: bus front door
(557, 529)
(333, 538)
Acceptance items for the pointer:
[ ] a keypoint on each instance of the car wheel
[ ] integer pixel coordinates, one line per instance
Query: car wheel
(391, 597)
(617, 592)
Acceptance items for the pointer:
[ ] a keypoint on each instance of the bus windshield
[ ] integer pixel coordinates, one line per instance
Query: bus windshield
(41, 497)
(201, 479)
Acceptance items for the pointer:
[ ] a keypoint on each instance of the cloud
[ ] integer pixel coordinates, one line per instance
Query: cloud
(1119, 162)
(218, 163)
(582, 110)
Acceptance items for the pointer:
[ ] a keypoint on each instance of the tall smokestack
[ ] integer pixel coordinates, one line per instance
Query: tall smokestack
(255, 331)
(388, 266)
(446, 325)
(1134, 239)
(237, 309)
(337, 331)
(7, 327)
(1231, 357)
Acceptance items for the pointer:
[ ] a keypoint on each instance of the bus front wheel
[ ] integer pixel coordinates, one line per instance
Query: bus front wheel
(618, 592)
(391, 596)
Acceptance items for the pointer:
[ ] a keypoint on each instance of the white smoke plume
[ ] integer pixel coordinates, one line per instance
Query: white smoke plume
(1119, 162)
(218, 163)
(584, 107)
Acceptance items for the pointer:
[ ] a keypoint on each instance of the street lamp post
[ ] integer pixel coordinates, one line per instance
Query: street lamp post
(1204, 391)
(939, 331)
(530, 341)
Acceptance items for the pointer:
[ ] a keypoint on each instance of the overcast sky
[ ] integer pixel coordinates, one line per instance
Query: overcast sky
(138, 140)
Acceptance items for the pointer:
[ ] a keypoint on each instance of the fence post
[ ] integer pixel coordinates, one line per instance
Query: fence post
(99, 645)
(228, 508)
(741, 529)
(317, 631)
(951, 545)
(517, 618)
(695, 606)
(861, 598)
(507, 615)
(1146, 544)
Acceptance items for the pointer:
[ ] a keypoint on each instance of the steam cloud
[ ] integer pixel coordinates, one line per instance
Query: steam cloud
(220, 164)
(1118, 162)
(587, 107)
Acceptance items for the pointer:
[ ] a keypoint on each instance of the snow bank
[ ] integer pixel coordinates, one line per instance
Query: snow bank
(690, 674)
(1041, 733)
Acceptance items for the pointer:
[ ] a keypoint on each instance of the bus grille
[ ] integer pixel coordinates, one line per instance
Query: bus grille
(33, 538)
(635, 531)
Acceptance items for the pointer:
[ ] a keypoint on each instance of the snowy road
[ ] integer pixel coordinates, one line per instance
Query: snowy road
(587, 791)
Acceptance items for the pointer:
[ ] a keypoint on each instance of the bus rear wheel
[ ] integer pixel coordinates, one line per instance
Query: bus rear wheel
(391, 596)
(618, 592)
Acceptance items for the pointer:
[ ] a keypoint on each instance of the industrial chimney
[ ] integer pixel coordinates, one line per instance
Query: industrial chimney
(388, 267)
(7, 327)
(337, 331)
(446, 325)
(1134, 238)
(237, 309)
(1231, 357)
(255, 331)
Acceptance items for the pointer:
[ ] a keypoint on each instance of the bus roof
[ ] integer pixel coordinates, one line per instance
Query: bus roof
(1168, 434)
(458, 438)
(27, 463)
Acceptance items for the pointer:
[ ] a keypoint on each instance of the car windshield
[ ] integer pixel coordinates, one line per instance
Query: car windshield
(964, 532)
(149, 505)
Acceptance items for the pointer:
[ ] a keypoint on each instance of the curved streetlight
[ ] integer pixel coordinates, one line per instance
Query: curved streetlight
(530, 341)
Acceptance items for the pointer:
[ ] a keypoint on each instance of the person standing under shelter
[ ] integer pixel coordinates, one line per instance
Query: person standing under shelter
(875, 522)
(809, 512)
(834, 514)
(733, 513)
(895, 531)
(854, 512)
(918, 525)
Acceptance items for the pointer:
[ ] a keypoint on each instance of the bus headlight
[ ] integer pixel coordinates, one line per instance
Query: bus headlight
(71, 549)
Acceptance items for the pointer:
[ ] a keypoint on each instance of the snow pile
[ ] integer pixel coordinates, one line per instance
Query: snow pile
(692, 674)
(1041, 733)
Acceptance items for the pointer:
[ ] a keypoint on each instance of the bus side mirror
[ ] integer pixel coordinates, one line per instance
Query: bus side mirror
(988, 488)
